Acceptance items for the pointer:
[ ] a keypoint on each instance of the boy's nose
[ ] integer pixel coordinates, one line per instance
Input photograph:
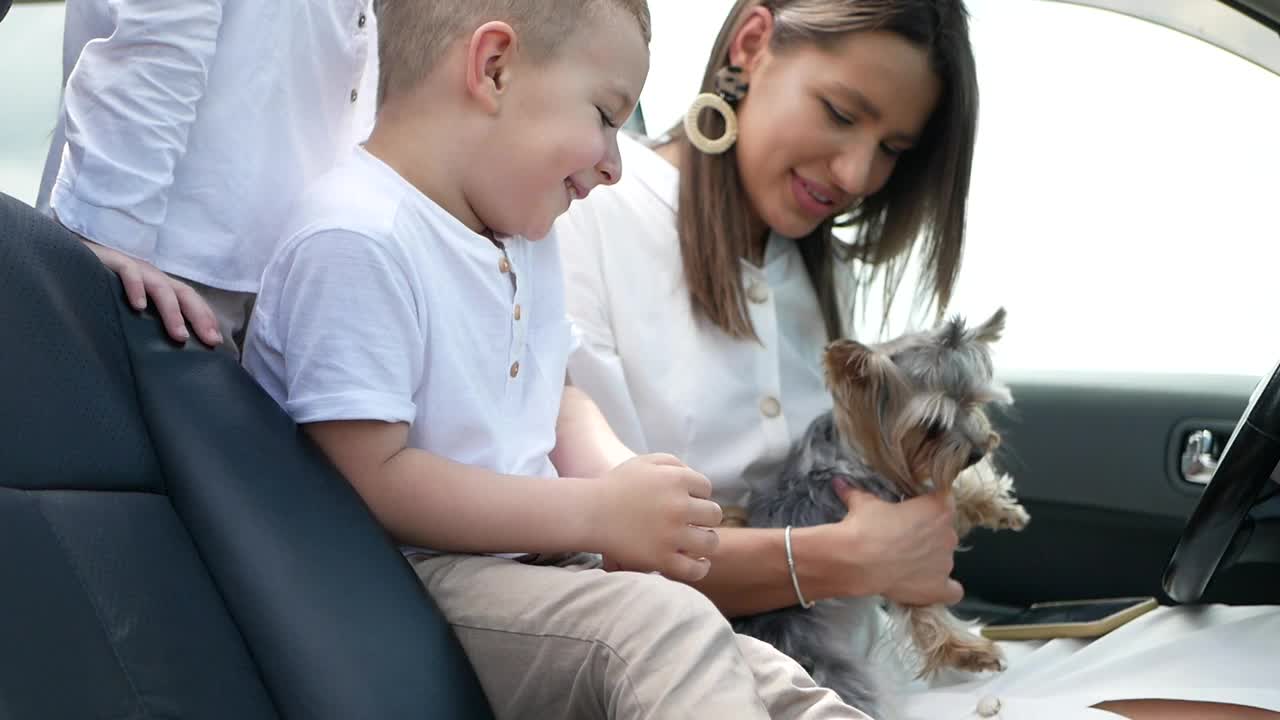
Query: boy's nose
(609, 169)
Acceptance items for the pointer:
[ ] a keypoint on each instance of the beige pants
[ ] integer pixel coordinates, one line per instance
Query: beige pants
(232, 309)
(576, 642)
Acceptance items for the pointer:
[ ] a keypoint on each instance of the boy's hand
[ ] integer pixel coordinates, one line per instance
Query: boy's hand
(653, 513)
(174, 299)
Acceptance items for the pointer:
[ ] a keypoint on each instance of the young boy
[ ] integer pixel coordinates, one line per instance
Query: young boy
(413, 322)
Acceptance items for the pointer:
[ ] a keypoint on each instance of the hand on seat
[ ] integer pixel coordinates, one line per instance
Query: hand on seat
(177, 302)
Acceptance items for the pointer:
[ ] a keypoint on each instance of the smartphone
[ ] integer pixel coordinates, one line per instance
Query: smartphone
(1074, 619)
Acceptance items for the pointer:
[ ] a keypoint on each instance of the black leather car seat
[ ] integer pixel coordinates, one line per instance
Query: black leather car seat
(170, 545)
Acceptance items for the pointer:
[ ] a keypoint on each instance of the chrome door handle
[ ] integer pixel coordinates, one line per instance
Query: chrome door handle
(1199, 458)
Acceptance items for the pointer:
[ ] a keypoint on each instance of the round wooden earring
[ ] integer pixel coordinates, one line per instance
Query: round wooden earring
(711, 146)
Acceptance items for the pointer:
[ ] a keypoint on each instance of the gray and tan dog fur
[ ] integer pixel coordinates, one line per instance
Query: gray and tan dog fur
(908, 419)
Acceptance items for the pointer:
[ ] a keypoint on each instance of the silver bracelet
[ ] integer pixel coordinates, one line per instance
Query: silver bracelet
(791, 565)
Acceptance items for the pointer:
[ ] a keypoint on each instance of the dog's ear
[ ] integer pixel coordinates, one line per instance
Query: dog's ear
(852, 367)
(846, 361)
(991, 330)
(870, 392)
(952, 334)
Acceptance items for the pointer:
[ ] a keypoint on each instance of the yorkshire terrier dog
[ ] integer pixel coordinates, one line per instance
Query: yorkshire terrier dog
(908, 419)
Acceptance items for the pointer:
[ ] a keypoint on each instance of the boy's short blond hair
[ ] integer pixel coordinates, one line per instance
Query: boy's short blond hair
(413, 34)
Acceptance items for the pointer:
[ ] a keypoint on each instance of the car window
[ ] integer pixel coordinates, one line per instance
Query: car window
(31, 78)
(1123, 191)
(683, 33)
(1123, 187)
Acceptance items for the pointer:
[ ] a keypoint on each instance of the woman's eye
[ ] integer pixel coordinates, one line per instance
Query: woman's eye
(604, 118)
(837, 117)
(891, 151)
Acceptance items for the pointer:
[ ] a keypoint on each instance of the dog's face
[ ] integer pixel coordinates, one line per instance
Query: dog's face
(914, 406)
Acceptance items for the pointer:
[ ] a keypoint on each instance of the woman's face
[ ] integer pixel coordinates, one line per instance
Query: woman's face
(820, 129)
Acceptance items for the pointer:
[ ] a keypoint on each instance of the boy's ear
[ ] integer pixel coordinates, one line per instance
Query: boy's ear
(490, 56)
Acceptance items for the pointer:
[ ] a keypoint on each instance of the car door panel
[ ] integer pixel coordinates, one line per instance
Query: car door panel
(1096, 461)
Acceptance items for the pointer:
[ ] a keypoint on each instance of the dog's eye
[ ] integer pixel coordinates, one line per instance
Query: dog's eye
(934, 431)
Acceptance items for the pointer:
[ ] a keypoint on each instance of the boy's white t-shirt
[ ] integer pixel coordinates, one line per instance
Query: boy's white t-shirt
(380, 305)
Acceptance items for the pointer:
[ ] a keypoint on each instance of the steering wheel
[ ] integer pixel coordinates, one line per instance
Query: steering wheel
(1247, 474)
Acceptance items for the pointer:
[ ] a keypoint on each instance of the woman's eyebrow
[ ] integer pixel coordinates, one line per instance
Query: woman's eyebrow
(863, 103)
(868, 108)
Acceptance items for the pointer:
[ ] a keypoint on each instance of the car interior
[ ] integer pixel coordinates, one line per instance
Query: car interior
(172, 546)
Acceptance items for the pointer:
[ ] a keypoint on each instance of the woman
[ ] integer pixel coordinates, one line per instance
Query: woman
(707, 282)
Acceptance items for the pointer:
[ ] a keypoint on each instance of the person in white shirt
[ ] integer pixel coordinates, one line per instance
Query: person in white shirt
(413, 323)
(187, 129)
(704, 286)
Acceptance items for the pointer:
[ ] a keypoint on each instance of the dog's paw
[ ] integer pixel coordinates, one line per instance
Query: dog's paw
(966, 652)
(977, 659)
(1015, 517)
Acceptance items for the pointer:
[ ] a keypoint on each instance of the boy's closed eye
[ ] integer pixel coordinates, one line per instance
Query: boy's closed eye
(617, 107)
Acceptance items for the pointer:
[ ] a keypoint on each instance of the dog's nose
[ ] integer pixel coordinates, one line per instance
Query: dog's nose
(975, 455)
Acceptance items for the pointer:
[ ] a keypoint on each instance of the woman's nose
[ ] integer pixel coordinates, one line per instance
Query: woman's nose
(853, 168)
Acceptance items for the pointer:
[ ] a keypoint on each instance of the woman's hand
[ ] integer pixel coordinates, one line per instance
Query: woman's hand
(176, 301)
(904, 551)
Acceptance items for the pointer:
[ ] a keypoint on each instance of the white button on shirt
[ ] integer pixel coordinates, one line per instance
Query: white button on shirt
(382, 306)
(770, 407)
(188, 128)
(664, 378)
(989, 707)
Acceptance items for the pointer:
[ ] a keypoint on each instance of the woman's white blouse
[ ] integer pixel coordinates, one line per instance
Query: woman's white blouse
(666, 379)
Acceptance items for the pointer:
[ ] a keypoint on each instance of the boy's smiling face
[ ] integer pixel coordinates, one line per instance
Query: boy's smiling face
(556, 133)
